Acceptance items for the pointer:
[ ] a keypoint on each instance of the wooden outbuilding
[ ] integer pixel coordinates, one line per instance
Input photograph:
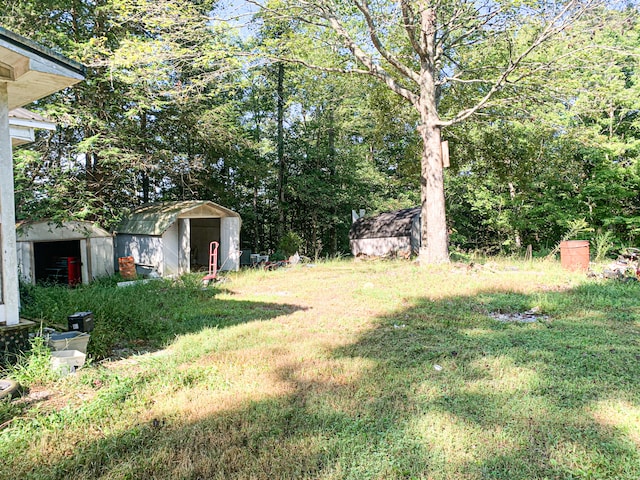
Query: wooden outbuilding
(68, 253)
(173, 238)
(389, 233)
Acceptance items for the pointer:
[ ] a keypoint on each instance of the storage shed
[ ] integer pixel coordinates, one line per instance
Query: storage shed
(67, 253)
(173, 238)
(388, 233)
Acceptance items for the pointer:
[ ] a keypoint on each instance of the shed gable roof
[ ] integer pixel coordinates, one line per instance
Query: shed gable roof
(48, 231)
(155, 218)
(388, 224)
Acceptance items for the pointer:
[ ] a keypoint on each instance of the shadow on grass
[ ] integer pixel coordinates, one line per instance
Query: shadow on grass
(511, 401)
(143, 317)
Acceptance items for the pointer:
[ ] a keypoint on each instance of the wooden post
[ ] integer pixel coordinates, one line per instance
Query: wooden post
(9, 296)
(445, 154)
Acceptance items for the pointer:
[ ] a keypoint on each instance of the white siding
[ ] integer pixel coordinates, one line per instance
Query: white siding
(85, 260)
(25, 261)
(144, 249)
(229, 243)
(184, 252)
(380, 246)
(101, 258)
(170, 248)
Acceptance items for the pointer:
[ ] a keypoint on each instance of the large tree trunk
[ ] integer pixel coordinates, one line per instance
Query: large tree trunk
(434, 239)
(434, 246)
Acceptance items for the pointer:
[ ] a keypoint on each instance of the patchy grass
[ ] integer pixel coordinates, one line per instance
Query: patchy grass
(345, 370)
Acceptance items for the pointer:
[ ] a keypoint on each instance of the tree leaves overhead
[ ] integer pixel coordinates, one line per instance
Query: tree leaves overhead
(178, 104)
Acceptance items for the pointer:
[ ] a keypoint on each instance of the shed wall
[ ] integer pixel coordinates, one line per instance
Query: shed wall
(380, 246)
(229, 243)
(144, 249)
(101, 258)
(171, 250)
(96, 255)
(26, 261)
(184, 251)
(416, 235)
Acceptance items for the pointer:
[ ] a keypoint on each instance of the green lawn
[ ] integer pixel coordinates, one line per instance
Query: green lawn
(343, 370)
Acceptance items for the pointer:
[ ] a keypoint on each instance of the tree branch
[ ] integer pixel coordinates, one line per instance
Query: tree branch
(393, 61)
(555, 25)
(373, 69)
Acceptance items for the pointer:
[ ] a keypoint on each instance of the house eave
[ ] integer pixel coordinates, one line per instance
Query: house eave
(32, 71)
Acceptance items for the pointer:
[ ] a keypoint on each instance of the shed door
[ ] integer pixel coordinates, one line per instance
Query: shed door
(58, 262)
(203, 232)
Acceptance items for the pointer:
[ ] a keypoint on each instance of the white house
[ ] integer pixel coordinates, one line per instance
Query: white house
(23, 124)
(28, 72)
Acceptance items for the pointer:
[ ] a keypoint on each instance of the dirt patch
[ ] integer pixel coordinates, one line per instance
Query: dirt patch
(530, 316)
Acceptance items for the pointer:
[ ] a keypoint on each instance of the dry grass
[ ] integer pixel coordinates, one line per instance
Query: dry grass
(334, 378)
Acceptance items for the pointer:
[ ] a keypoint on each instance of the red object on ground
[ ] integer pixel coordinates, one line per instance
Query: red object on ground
(574, 254)
(213, 262)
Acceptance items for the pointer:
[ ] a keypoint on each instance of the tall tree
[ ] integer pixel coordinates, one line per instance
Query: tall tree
(423, 51)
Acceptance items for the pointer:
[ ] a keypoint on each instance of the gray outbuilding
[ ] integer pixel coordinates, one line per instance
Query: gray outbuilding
(173, 238)
(388, 233)
(66, 253)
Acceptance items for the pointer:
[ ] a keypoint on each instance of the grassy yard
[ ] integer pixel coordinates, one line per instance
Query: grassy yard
(345, 370)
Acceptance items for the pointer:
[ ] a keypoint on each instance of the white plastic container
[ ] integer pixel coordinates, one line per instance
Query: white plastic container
(67, 361)
(69, 341)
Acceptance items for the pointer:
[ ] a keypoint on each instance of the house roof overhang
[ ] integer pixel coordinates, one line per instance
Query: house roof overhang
(23, 124)
(32, 71)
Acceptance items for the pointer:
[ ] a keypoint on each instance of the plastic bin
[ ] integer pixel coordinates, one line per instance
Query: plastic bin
(69, 341)
(67, 361)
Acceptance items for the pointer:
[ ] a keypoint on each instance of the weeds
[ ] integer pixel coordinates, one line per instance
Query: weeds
(34, 366)
(603, 244)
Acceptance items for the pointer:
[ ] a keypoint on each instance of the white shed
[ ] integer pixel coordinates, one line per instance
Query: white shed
(173, 238)
(67, 253)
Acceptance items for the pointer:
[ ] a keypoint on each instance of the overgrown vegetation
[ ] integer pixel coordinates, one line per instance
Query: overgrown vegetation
(344, 370)
(139, 317)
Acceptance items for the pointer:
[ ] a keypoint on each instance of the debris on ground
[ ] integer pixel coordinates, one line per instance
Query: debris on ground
(530, 316)
(625, 268)
(401, 253)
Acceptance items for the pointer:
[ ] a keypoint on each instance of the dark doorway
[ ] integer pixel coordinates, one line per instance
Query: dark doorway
(203, 232)
(58, 262)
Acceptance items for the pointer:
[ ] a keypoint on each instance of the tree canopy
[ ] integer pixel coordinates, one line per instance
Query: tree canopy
(330, 106)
